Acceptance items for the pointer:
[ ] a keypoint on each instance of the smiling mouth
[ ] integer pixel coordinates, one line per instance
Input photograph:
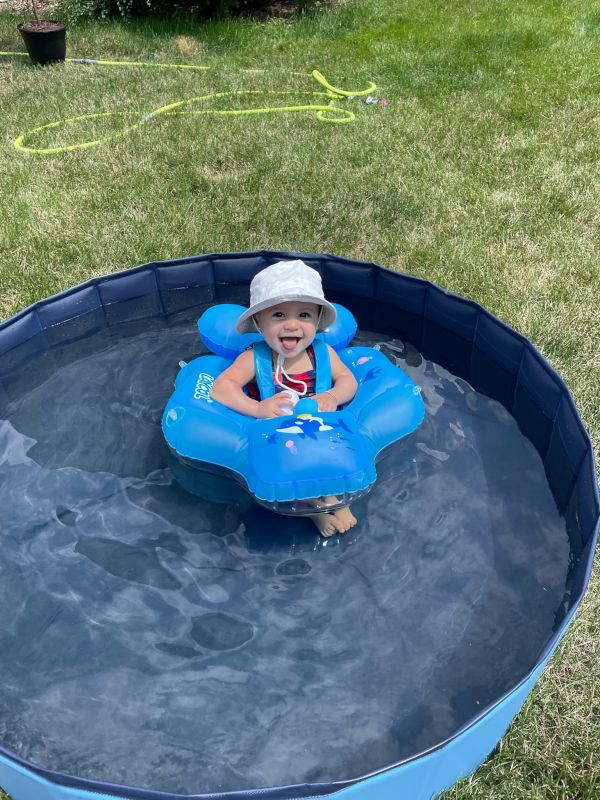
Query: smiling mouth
(289, 342)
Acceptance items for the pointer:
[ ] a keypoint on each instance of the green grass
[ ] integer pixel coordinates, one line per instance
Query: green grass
(482, 174)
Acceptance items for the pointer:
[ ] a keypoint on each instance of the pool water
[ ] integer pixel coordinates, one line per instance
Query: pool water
(156, 638)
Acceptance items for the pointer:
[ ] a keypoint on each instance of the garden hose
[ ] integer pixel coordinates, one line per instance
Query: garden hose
(326, 110)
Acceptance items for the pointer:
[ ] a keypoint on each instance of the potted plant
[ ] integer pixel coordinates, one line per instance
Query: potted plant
(44, 38)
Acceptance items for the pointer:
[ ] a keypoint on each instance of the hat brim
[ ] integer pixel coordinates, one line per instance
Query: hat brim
(328, 315)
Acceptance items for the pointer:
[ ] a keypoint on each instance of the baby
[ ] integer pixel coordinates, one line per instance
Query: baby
(287, 307)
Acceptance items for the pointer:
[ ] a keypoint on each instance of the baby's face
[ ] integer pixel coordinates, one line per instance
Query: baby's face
(289, 328)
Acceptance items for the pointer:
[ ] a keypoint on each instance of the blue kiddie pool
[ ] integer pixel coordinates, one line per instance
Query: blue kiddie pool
(165, 635)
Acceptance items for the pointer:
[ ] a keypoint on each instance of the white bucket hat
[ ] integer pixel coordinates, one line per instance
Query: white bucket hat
(282, 282)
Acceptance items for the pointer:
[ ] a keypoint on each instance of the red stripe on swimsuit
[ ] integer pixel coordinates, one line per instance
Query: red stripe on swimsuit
(306, 377)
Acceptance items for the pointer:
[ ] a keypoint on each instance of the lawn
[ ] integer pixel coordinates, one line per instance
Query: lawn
(481, 174)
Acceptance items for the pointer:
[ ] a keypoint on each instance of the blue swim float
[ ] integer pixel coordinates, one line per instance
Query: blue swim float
(287, 460)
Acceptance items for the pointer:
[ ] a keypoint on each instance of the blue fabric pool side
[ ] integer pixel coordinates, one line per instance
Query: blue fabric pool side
(457, 333)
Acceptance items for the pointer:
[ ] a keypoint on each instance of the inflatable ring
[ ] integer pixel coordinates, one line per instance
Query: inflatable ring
(285, 461)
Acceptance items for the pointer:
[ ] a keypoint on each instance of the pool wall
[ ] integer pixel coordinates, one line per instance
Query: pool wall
(456, 333)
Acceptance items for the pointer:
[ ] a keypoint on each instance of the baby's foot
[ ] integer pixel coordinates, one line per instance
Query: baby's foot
(326, 524)
(344, 518)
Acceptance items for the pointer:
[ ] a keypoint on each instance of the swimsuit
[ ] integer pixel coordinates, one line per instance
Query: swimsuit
(307, 378)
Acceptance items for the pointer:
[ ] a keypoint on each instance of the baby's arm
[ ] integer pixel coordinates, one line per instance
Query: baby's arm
(228, 390)
(344, 385)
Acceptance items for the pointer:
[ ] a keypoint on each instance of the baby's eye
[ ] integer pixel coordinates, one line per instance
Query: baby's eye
(306, 315)
(277, 314)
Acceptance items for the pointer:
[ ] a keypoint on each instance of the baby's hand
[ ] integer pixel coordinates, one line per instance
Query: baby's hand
(273, 406)
(326, 401)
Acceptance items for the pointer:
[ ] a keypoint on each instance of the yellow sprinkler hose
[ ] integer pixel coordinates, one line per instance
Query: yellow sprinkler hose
(326, 110)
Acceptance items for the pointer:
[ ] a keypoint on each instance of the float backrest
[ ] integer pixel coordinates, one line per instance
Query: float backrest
(217, 330)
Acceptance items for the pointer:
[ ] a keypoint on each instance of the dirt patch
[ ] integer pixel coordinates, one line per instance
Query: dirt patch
(43, 26)
(188, 46)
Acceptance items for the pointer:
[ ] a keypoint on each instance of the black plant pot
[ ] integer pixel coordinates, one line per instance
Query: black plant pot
(45, 41)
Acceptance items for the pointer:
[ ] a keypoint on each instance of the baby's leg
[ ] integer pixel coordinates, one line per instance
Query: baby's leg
(323, 503)
(330, 522)
(326, 524)
(345, 519)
